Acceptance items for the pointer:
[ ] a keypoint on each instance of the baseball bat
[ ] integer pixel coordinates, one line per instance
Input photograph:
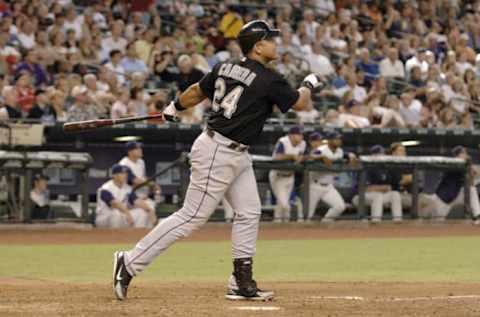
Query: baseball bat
(80, 126)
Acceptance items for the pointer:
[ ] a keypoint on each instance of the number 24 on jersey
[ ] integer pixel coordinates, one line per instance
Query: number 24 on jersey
(226, 102)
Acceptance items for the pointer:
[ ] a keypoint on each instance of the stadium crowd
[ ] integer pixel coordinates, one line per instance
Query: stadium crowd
(388, 63)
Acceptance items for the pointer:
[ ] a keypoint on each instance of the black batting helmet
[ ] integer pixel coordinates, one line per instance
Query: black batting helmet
(253, 32)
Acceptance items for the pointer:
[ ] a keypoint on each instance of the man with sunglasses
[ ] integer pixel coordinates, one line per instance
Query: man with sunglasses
(243, 95)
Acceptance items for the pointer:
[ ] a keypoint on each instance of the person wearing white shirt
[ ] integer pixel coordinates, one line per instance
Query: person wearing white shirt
(289, 147)
(119, 207)
(410, 109)
(321, 183)
(352, 119)
(115, 42)
(310, 23)
(358, 93)
(74, 22)
(137, 173)
(115, 66)
(419, 60)
(324, 7)
(391, 66)
(319, 63)
(27, 35)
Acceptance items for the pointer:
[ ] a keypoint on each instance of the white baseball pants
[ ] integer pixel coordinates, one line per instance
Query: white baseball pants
(282, 187)
(117, 219)
(329, 195)
(377, 201)
(216, 171)
(441, 208)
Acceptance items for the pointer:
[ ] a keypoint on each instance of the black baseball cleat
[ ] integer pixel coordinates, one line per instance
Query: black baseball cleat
(121, 277)
(260, 295)
(241, 285)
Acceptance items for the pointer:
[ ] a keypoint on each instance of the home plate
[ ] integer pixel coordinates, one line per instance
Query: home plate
(257, 308)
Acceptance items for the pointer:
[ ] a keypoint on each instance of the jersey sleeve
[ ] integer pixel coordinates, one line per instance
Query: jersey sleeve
(207, 83)
(106, 196)
(131, 198)
(279, 148)
(282, 94)
(130, 176)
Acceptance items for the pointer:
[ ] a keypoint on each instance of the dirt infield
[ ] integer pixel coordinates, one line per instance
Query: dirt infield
(26, 297)
(268, 231)
(37, 298)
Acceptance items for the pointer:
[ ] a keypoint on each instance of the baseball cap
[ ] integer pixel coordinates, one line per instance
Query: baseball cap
(117, 169)
(295, 130)
(132, 145)
(331, 135)
(377, 149)
(457, 150)
(315, 136)
(40, 176)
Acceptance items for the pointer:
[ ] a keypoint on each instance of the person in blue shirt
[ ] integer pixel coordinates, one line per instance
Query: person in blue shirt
(31, 66)
(368, 66)
(131, 63)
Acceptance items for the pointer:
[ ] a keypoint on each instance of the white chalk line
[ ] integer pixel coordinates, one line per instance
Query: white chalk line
(396, 299)
(257, 308)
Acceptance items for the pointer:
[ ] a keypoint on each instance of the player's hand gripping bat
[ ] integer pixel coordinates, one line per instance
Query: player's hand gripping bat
(81, 126)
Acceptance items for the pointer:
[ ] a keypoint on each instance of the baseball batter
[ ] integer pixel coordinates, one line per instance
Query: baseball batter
(118, 206)
(289, 147)
(321, 183)
(243, 94)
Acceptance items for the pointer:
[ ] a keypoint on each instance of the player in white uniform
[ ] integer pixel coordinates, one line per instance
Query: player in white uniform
(137, 175)
(289, 147)
(118, 206)
(321, 183)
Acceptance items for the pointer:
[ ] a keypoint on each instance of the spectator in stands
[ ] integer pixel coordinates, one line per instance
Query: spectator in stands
(310, 23)
(358, 92)
(118, 206)
(288, 68)
(115, 66)
(410, 108)
(42, 110)
(450, 192)
(24, 92)
(10, 109)
(416, 77)
(419, 60)
(319, 63)
(83, 107)
(380, 191)
(31, 66)
(137, 105)
(26, 36)
(115, 41)
(351, 116)
(120, 107)
(40, 198)
(57, 98)
(391, 66)
(131, 63)
(188, 74)
(369, 67)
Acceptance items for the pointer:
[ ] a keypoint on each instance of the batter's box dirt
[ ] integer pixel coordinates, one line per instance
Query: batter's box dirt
(37, 298)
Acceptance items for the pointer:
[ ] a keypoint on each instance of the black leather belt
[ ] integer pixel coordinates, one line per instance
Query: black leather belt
(233, 145)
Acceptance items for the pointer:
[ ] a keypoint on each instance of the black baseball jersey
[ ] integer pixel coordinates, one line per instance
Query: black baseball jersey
(243, 94)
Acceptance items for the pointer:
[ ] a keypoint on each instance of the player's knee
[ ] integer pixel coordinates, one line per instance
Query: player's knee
(340, 207)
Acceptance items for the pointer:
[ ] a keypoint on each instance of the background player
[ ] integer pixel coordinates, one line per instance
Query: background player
(450, 192)
(290, 147)
(118, 207)
(137, 174)
(243, 94)
(321, 183)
